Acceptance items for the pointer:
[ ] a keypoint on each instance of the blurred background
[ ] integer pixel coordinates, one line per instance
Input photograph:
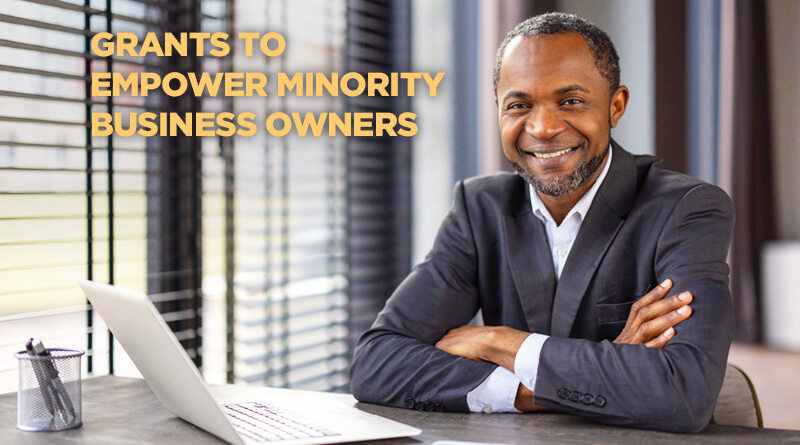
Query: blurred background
(269, 256)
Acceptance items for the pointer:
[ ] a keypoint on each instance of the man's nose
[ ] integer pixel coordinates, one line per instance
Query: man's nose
(544, 123)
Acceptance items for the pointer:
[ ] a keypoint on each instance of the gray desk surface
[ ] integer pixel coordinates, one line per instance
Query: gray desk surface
(124, 411)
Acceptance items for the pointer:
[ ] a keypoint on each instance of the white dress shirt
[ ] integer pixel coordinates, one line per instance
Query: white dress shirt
(498, 392)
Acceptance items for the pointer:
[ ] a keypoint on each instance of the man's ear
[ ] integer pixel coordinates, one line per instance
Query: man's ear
(619, 101)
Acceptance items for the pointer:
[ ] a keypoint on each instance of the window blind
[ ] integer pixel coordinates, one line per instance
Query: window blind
(267, 256)
(378, 168)
(290, 268)
(73, 206)
(56, 182)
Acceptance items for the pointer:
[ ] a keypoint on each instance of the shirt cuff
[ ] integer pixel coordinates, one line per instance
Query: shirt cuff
(526, 364)
(496, 394)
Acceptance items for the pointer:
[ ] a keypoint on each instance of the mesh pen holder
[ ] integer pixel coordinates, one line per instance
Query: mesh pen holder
(49, 397)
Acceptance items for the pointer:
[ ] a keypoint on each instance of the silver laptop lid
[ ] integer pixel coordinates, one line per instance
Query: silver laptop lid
(158, 355)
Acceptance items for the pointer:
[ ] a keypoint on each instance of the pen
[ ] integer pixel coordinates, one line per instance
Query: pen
(53, 390)
(41, 377)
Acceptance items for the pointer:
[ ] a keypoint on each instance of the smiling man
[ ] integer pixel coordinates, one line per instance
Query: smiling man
(600, 275)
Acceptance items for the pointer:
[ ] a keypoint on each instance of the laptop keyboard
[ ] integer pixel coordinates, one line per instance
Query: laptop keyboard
(267, 423)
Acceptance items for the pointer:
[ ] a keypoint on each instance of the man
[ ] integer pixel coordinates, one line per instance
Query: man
(570, 262)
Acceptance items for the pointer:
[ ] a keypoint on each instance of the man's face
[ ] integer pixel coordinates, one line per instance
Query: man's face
(555, 111)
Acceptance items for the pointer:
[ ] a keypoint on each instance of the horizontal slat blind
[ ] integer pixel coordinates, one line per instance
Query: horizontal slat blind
(280, 295)
(378, 167)
(73, 206)
(55, 217)
(290, 204)
(217, 215)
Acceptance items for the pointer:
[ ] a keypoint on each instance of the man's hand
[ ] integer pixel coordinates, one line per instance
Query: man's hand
(652, 317)
(524, 401)
(651, 322)
(496, 344)
(465, 341)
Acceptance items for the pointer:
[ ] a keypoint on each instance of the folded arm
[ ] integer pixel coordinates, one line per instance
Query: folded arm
(673, 388)
(651, 322)
(395, 362)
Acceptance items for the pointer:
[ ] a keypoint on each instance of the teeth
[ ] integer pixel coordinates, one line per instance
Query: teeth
(552, 155)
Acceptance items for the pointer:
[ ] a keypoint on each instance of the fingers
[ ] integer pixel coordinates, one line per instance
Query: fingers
(662, 340)
(653, 316)
(655, 294)
(657, 326)
(664, 306)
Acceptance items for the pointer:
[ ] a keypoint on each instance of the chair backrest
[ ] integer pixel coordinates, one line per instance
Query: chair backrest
(737, 404)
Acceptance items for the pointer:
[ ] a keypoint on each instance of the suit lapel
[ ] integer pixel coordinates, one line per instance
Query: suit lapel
(600, 226)
(531, 263)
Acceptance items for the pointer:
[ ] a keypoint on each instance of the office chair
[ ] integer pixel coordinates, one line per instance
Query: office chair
(737, 404)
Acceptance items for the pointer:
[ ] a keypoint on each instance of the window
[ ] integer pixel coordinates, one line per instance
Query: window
(267, 256)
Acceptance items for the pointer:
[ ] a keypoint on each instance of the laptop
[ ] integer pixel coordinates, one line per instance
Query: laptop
(274, 417)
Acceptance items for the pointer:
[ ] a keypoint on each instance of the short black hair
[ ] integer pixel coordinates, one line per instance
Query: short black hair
(605, 56)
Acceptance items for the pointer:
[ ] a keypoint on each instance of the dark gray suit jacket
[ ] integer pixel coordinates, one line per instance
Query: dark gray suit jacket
(646, 223)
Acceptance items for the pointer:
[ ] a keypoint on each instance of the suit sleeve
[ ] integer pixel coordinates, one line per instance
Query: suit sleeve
(395, 362)
(670, 389)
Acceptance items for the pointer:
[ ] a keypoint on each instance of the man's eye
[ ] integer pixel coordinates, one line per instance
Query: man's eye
(572, 102)
(517, 106)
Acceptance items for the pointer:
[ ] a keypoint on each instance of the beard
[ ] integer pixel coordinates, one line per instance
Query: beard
(565, 184)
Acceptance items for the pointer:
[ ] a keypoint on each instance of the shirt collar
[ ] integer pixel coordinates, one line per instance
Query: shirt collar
(583, 204)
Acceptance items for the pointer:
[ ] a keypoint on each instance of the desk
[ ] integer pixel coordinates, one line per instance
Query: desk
(121, 411)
